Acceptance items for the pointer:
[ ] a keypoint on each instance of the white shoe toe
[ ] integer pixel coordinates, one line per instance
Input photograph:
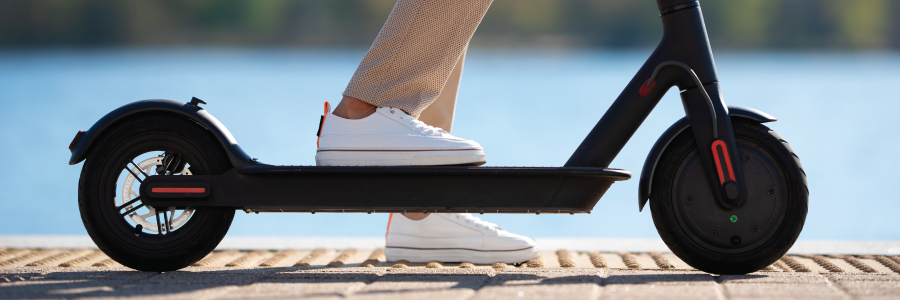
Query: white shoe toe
(508, 241)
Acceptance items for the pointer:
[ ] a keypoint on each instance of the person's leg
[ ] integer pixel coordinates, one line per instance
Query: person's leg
(414, 64)
(440, 113)
(415, 53)
(404, 72)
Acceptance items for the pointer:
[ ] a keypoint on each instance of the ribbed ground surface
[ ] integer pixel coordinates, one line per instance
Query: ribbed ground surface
(350, 273)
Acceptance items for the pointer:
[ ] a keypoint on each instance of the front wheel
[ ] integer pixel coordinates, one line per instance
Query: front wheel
(731, 241)
(131, 233)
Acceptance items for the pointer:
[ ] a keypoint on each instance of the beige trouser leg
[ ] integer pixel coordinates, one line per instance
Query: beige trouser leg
(440, 113)
(415, 53)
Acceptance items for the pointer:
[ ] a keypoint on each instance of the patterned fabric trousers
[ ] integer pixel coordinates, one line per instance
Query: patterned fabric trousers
(417, 59)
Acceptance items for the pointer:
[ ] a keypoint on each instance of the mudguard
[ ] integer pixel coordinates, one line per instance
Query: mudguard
(236, 155)
(663, 142)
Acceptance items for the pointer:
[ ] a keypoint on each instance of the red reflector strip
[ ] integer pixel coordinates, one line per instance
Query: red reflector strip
(322, 122)
(645, 90)
(177, 190)
(715, 152)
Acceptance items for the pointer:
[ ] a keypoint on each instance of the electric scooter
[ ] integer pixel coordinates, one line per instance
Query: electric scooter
(162, 179)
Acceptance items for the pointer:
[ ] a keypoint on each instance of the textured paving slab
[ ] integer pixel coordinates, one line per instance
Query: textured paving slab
(364, 274)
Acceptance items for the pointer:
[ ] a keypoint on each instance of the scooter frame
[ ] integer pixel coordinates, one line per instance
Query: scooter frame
(683, 58)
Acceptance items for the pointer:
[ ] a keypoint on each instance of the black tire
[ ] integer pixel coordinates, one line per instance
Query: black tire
(702, 233)
(97, 189)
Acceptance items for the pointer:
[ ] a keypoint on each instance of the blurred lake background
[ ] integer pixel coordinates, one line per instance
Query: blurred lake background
(538, 76)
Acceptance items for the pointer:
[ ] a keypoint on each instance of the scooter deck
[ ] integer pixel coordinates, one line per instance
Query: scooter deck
(264, 188)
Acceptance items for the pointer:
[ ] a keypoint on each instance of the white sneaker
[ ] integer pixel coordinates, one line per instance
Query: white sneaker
(455, 238)
(390, 137)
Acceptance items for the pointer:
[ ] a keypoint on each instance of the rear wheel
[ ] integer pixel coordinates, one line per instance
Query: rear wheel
(151, 238)
(731, 241)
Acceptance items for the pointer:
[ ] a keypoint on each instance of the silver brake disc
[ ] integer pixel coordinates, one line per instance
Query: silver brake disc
(148, 220)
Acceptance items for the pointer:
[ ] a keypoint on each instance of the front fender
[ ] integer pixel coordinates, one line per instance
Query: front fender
(681, 125)
(236, 155)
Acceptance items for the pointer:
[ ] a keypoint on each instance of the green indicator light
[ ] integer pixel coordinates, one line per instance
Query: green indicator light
(733, 218)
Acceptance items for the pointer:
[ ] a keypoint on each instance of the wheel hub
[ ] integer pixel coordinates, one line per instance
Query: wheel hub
(146, 216)
(731, 230)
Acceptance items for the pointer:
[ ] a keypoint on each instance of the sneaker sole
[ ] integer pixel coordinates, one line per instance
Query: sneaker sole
(399, 158)
(459, 255)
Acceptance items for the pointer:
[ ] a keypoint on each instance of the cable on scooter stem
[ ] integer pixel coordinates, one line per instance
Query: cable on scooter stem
(712, 111)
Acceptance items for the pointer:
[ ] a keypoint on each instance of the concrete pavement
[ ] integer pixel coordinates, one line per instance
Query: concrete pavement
(329, 273)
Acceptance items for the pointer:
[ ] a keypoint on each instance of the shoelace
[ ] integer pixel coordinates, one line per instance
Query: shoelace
(419, 125)
(424, 128)
(479, 222)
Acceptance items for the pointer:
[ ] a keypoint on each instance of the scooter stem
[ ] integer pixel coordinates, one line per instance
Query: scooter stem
(684, 41)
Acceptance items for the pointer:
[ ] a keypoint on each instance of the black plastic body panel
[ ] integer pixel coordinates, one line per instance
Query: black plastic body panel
(236, 155)
(681, 125)
(399, 189)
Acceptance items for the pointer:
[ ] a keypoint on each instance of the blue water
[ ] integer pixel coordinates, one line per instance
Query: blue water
(527, 108)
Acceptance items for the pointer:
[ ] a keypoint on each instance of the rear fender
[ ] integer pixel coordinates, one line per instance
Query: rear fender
(83, 146)
(680, 126)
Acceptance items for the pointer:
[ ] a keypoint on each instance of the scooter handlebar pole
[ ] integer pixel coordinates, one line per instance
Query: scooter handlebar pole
(684, 43)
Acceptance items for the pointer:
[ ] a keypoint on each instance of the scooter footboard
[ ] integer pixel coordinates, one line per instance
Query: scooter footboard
(388, 189)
